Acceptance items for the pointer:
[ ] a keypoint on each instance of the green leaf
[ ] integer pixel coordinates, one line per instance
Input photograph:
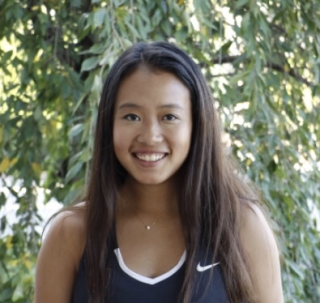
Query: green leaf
(99, 17)
(73, 172)
(75, 130)
(165, 25)
(181, 34)
(132, 28)
(89, 64)
(296, 269)
(241, 3)
(18, 293)
(71, 196)
(6, 294)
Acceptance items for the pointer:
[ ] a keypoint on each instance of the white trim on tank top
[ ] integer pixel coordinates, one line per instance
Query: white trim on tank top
(144, 279)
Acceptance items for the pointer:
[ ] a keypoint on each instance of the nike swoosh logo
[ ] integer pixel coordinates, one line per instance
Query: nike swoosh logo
(203, 268)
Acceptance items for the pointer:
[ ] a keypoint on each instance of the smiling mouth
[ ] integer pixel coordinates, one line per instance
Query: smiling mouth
(150, 157)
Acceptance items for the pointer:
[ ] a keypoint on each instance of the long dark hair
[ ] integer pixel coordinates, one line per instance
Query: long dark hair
(211, 192)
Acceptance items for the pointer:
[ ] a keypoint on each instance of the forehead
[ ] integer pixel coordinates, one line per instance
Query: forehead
(147, 85)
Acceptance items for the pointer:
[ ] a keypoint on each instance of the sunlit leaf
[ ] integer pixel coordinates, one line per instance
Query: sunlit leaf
(4, 165)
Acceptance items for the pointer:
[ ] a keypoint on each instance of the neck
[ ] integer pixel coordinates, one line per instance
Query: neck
(152, 199)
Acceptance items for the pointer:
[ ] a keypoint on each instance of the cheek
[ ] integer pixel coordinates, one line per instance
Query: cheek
(185, 137)
(182, 142)
(119, 142)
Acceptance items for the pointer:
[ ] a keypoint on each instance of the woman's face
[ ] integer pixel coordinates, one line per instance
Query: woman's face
(152, 125)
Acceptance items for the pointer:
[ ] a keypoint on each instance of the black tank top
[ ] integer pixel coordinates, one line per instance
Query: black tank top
(126, 286)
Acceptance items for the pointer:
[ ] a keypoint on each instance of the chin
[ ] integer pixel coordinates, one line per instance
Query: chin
(150, 181)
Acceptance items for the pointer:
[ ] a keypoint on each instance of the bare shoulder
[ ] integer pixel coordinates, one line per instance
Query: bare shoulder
(60, 255)
(254, 225)
(71, 219)
(68, 229)
(262, 252)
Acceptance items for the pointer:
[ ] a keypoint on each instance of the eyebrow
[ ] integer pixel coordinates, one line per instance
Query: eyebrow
(167, 105)
(129, 105)
(171, 105)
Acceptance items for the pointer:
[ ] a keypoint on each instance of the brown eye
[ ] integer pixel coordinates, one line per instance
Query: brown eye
(131, 117)
(170, 117)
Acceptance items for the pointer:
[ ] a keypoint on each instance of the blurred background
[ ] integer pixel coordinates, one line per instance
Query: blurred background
(261, 60)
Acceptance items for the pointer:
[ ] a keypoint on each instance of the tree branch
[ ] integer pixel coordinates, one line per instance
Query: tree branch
(271, 65)
(222, 75)
(291, 72)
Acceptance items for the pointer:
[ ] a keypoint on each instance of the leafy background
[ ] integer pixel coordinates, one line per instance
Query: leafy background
(261, 59)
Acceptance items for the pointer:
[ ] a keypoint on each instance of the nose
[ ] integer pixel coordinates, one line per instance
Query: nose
(150, 133)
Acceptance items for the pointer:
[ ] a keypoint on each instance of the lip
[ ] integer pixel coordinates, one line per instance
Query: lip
(145, 163)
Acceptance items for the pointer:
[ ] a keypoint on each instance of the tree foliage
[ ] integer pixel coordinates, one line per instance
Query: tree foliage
(261, 59)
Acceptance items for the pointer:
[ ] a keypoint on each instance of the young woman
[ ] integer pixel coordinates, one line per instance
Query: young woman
(166, 217)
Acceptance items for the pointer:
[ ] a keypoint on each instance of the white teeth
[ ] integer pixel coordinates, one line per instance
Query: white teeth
(150, 157)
